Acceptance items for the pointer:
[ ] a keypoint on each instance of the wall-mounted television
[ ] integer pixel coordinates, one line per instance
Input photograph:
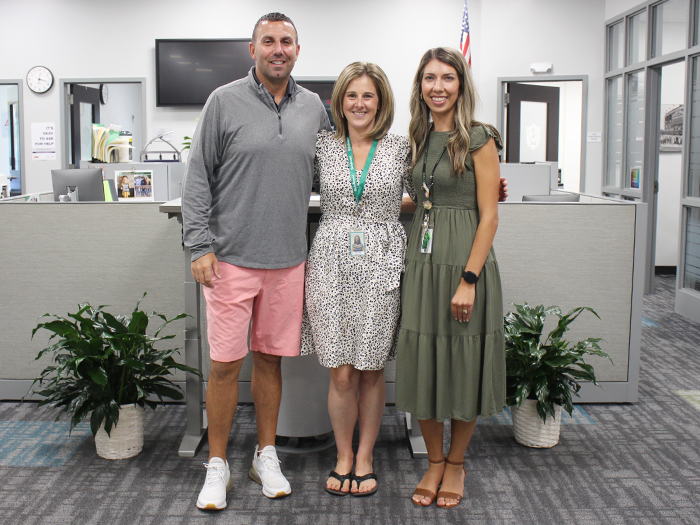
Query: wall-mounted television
(188, 70)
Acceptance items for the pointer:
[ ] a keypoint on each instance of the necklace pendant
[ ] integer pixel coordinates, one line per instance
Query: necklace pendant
(427, 205)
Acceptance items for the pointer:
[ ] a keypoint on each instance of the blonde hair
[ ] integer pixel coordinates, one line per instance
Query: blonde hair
(385, 111)
(459, 142)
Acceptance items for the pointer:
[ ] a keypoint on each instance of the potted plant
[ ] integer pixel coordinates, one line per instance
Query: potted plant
(543, 375)
(108, 365)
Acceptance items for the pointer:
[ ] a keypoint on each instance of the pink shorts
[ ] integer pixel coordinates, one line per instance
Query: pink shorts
(273, 299)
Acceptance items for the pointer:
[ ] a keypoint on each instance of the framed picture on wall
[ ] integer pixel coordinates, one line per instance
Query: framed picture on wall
(635, 177)
(671, 127)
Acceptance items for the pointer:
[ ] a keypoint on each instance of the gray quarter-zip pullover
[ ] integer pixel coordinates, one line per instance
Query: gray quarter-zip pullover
(249, 175)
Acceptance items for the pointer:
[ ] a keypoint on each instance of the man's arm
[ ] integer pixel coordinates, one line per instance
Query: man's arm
(205, 156)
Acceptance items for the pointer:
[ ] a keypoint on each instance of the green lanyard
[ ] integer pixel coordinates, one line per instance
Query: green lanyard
(358, 188)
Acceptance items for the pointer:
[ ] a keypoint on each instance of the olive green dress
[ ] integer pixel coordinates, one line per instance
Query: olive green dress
(446, 369)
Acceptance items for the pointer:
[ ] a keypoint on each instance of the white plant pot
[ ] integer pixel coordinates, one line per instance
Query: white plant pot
(530, 430)
(126, 438)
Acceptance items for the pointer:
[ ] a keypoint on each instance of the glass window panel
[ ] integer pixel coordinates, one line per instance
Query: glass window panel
(533, 131)
(637, 38)
(616, 46)
(693, 186)
(696, 24)
(691, 275)
(85, 131)
(635, 131)
(670, 23)
(613, 135)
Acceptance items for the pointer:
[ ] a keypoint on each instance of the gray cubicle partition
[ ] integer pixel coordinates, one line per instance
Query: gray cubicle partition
(537, 178)
(56, 255)
(569, 254)
(589, 253)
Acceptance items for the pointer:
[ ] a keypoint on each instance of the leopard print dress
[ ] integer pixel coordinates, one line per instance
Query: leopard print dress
(351, 303)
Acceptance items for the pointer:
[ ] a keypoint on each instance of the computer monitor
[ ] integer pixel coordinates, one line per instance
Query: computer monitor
(88, 181)
(554, 197)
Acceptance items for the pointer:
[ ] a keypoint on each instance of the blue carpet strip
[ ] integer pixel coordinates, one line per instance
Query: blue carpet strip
(39, 443)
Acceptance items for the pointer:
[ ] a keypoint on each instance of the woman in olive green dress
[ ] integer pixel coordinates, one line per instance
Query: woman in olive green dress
(451, 354)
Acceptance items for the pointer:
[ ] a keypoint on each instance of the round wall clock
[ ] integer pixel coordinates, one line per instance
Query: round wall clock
(104, 93)
(39, 79)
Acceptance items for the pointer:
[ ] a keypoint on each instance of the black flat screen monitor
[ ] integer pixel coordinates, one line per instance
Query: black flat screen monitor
(187, 71)
(88, 181)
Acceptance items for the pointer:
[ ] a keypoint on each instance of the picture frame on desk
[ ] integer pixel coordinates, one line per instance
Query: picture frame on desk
(134, 185)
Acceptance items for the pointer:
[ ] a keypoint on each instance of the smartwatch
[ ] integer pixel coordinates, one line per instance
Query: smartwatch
(469, 277)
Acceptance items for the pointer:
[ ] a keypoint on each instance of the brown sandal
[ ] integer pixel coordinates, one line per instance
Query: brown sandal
(425, 492)
(452, 495)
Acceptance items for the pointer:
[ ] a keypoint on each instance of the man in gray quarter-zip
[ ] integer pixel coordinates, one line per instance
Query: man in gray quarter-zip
(244, 209)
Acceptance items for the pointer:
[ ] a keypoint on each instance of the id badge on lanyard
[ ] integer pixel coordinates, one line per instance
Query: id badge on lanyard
(426, 238)
(356, 239)
(426, 245)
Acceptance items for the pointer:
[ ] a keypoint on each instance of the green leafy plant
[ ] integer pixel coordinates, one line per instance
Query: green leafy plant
(549, 370)
(103, 361)
(188, 140)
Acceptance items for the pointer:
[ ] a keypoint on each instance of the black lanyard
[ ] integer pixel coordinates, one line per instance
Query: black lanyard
(427, 204)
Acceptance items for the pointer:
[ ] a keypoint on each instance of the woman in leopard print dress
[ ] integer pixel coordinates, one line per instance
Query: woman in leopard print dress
(351, 311)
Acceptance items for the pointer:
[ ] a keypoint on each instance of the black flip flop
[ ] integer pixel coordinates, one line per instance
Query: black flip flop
(342, 478)
(359, 480)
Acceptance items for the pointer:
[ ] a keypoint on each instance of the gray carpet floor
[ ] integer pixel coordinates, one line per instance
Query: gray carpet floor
(636, 463)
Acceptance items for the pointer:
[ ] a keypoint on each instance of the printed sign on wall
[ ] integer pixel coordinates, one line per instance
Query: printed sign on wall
(43, 141)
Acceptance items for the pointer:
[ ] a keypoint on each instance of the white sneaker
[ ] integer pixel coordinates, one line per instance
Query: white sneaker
(217, 484)
(266, 471)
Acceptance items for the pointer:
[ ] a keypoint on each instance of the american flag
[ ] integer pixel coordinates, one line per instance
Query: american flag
(464, 40)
